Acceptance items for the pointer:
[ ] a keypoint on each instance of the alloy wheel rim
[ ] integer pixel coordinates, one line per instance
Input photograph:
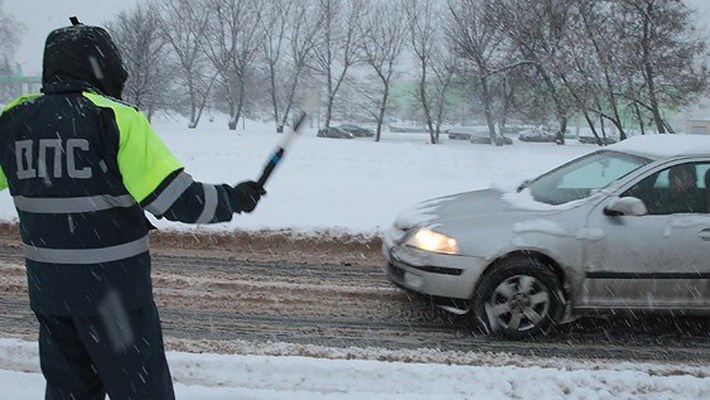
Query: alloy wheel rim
(519, 303)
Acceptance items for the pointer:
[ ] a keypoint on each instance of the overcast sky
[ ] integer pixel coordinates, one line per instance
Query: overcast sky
(41, 16)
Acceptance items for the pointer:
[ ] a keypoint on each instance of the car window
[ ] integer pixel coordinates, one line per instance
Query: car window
(682, 188)
(576, 179)
(597, 174)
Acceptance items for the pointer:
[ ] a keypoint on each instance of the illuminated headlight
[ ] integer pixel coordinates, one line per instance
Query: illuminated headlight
(428, 240)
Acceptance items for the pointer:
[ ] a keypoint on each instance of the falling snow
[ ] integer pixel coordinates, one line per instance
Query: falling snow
(359, 186)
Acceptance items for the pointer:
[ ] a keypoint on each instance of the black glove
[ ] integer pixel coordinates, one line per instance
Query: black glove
(246, 195)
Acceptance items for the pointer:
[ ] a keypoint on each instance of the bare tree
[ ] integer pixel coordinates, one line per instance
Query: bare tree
(289, 28)
(436, 64)
(607, 56)
(183, 24)
(571, 69)
(336, 49)
(538, 29)
(383, 34)
(484, 48)
(143, 47)
(231, 45)
(663, 46)
(617, 63)
(304, 28)
(275, 24)
(9, 36)
(615, 47)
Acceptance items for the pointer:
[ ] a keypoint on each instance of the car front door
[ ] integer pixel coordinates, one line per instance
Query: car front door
(660, 260)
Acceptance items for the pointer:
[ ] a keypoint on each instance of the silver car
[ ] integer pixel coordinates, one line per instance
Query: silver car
(626, 227)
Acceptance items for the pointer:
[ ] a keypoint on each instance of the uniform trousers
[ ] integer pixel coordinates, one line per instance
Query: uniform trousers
(87, 357)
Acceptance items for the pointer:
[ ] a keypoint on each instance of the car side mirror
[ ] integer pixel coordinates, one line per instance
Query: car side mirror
(632, 206)
(523, 185)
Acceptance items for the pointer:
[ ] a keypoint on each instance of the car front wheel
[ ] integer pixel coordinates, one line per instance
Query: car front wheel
(519, 298)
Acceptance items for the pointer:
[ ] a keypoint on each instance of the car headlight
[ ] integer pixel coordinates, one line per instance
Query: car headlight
(429, 240)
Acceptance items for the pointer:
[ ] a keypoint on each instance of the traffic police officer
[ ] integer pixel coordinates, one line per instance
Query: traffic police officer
(81, 167)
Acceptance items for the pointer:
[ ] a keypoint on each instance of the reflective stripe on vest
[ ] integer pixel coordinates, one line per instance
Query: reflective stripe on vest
(210, 204)
(70, 205)
(87, 256)
(170, 194)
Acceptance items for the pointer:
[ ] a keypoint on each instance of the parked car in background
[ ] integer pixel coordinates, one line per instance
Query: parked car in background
(512, 129)
(357, 131)
(457, 134)
(407, 129)
(593, 140)
(624, 228)
(538, 135)
(336, 133)
(476, 135)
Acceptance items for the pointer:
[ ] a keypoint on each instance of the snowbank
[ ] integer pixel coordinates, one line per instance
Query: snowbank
(214, 376)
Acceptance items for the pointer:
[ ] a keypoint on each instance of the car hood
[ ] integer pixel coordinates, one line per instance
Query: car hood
(486, 203)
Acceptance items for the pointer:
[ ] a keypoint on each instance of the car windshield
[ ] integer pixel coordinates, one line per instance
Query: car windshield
(578, 178)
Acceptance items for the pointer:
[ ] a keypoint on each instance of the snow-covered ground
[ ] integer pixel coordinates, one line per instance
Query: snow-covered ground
(228, 377)
(358, 186)
(344, 185)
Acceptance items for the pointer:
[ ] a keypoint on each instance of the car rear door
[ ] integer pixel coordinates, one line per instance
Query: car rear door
(657, 261)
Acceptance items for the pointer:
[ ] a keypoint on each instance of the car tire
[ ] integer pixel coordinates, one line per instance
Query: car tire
(519, 298)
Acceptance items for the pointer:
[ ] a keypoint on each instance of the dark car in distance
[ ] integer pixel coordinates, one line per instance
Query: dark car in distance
(537, 135)
(476, 136)
(357, 131)
(335, 133)
(593, 140)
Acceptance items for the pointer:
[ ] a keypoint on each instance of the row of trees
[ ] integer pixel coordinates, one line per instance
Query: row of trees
(246, 56)
(8, 35)
(620, 63)
(625, 62)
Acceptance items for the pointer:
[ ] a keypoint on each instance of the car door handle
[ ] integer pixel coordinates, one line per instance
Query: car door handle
(704, 234)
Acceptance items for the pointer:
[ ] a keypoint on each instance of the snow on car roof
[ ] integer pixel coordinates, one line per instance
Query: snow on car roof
(666, 145)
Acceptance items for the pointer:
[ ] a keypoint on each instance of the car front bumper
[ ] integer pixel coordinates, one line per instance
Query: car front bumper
(434, 274)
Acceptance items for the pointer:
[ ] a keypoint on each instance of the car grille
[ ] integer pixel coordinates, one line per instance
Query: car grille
(398, 272)
(439, 270)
